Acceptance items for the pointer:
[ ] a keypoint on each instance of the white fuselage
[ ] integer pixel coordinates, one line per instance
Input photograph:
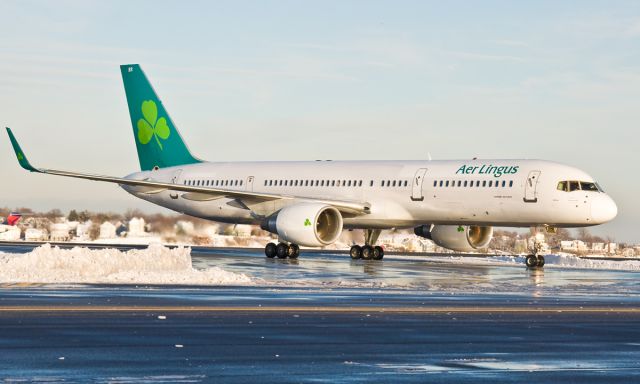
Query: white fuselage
(516, 193)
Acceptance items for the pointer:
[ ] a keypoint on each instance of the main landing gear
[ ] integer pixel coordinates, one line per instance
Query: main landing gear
(368, 251)
(282, 250)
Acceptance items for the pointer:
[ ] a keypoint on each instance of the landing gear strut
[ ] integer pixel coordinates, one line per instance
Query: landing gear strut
(282, 250)
(368, 251)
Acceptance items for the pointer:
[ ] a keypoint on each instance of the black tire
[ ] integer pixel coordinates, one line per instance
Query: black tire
(540, 261)
(355, 252)
(367, 252)
(270, 250)
(532, 261)
(378, 253)
(282, 250)
(294, 251)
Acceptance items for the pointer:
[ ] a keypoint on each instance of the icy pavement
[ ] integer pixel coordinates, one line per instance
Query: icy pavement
(563, 275)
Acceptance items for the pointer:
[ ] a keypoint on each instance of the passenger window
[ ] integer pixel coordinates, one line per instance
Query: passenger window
(441, 183)
(504, 183)
(360, 183)
(333, 183)
(394, 183)
(484, 183)
(447, 183)
(465, 183)
(574, 186)
(435, 183)
(510, 183)
(371, 184)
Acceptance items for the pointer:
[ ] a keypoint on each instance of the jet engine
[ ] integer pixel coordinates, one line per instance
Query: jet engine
(308, 224)
(458, 238)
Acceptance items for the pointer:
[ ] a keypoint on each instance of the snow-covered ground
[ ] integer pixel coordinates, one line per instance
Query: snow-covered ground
(154, 265)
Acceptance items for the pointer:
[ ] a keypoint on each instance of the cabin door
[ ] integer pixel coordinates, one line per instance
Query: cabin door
(530, 194)
(416, 190)
(250, 183)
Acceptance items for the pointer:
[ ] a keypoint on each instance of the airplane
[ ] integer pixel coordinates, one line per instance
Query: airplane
(455, 203)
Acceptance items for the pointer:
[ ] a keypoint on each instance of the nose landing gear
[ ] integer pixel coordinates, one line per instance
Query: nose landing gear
(535, 261)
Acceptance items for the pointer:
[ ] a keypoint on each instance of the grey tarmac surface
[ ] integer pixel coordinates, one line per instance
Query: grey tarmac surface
(324, 318)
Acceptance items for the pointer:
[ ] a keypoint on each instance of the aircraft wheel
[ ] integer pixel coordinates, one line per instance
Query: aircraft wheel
(355, 252)
(270, 250)
(367, 252)
(282, 250)
(532, 261)
(293, 251)
(378, 253)
(540, 261)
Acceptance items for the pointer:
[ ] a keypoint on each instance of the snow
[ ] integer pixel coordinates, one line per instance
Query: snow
(154, 265)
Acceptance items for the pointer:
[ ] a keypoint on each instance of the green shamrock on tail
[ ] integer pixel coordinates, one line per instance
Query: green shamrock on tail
(307, 222)
(460, 228)
(20, 157)
(150, 126)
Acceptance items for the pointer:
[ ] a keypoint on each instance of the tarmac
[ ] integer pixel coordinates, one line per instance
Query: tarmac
(325, 318)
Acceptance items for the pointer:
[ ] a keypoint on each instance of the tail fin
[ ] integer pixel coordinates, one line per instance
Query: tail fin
(158, 141)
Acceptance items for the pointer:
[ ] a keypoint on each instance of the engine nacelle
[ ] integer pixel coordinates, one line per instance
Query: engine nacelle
(308, 224)
(458, 238)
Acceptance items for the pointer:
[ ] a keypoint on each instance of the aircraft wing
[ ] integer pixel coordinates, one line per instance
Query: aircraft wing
(191, 192)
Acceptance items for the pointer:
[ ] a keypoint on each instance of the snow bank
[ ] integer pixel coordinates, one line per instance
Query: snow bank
(577, 262)
(154, 265)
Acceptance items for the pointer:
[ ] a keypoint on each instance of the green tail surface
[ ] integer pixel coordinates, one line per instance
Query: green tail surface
(158, 141)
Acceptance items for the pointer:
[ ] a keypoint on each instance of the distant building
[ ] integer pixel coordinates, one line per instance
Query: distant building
(34, 234)
(9, 233)
(83, 231)
(107, 231)
(59, 232)
(136, 227)
(628, 252)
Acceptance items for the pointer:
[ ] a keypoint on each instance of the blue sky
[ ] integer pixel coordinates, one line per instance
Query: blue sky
(293, 80)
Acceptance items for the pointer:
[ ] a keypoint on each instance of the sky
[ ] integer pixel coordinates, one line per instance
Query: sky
(305, 80)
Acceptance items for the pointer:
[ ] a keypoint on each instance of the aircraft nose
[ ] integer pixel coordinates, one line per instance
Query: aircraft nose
(603, 209)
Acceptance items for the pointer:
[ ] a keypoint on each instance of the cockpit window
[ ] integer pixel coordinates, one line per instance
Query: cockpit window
(573, 185)
(586, 186)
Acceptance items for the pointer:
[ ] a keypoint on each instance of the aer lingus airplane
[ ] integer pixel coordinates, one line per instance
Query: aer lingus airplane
(455, 203)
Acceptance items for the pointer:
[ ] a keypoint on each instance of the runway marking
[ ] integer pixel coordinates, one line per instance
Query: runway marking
(325, 309)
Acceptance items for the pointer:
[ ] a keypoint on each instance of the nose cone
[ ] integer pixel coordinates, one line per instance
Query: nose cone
(603, 209)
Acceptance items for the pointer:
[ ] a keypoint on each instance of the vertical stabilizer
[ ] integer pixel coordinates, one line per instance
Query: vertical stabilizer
(158, 141)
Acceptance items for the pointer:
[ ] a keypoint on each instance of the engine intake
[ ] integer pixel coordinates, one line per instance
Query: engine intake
(308, 224)
(458, 238)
